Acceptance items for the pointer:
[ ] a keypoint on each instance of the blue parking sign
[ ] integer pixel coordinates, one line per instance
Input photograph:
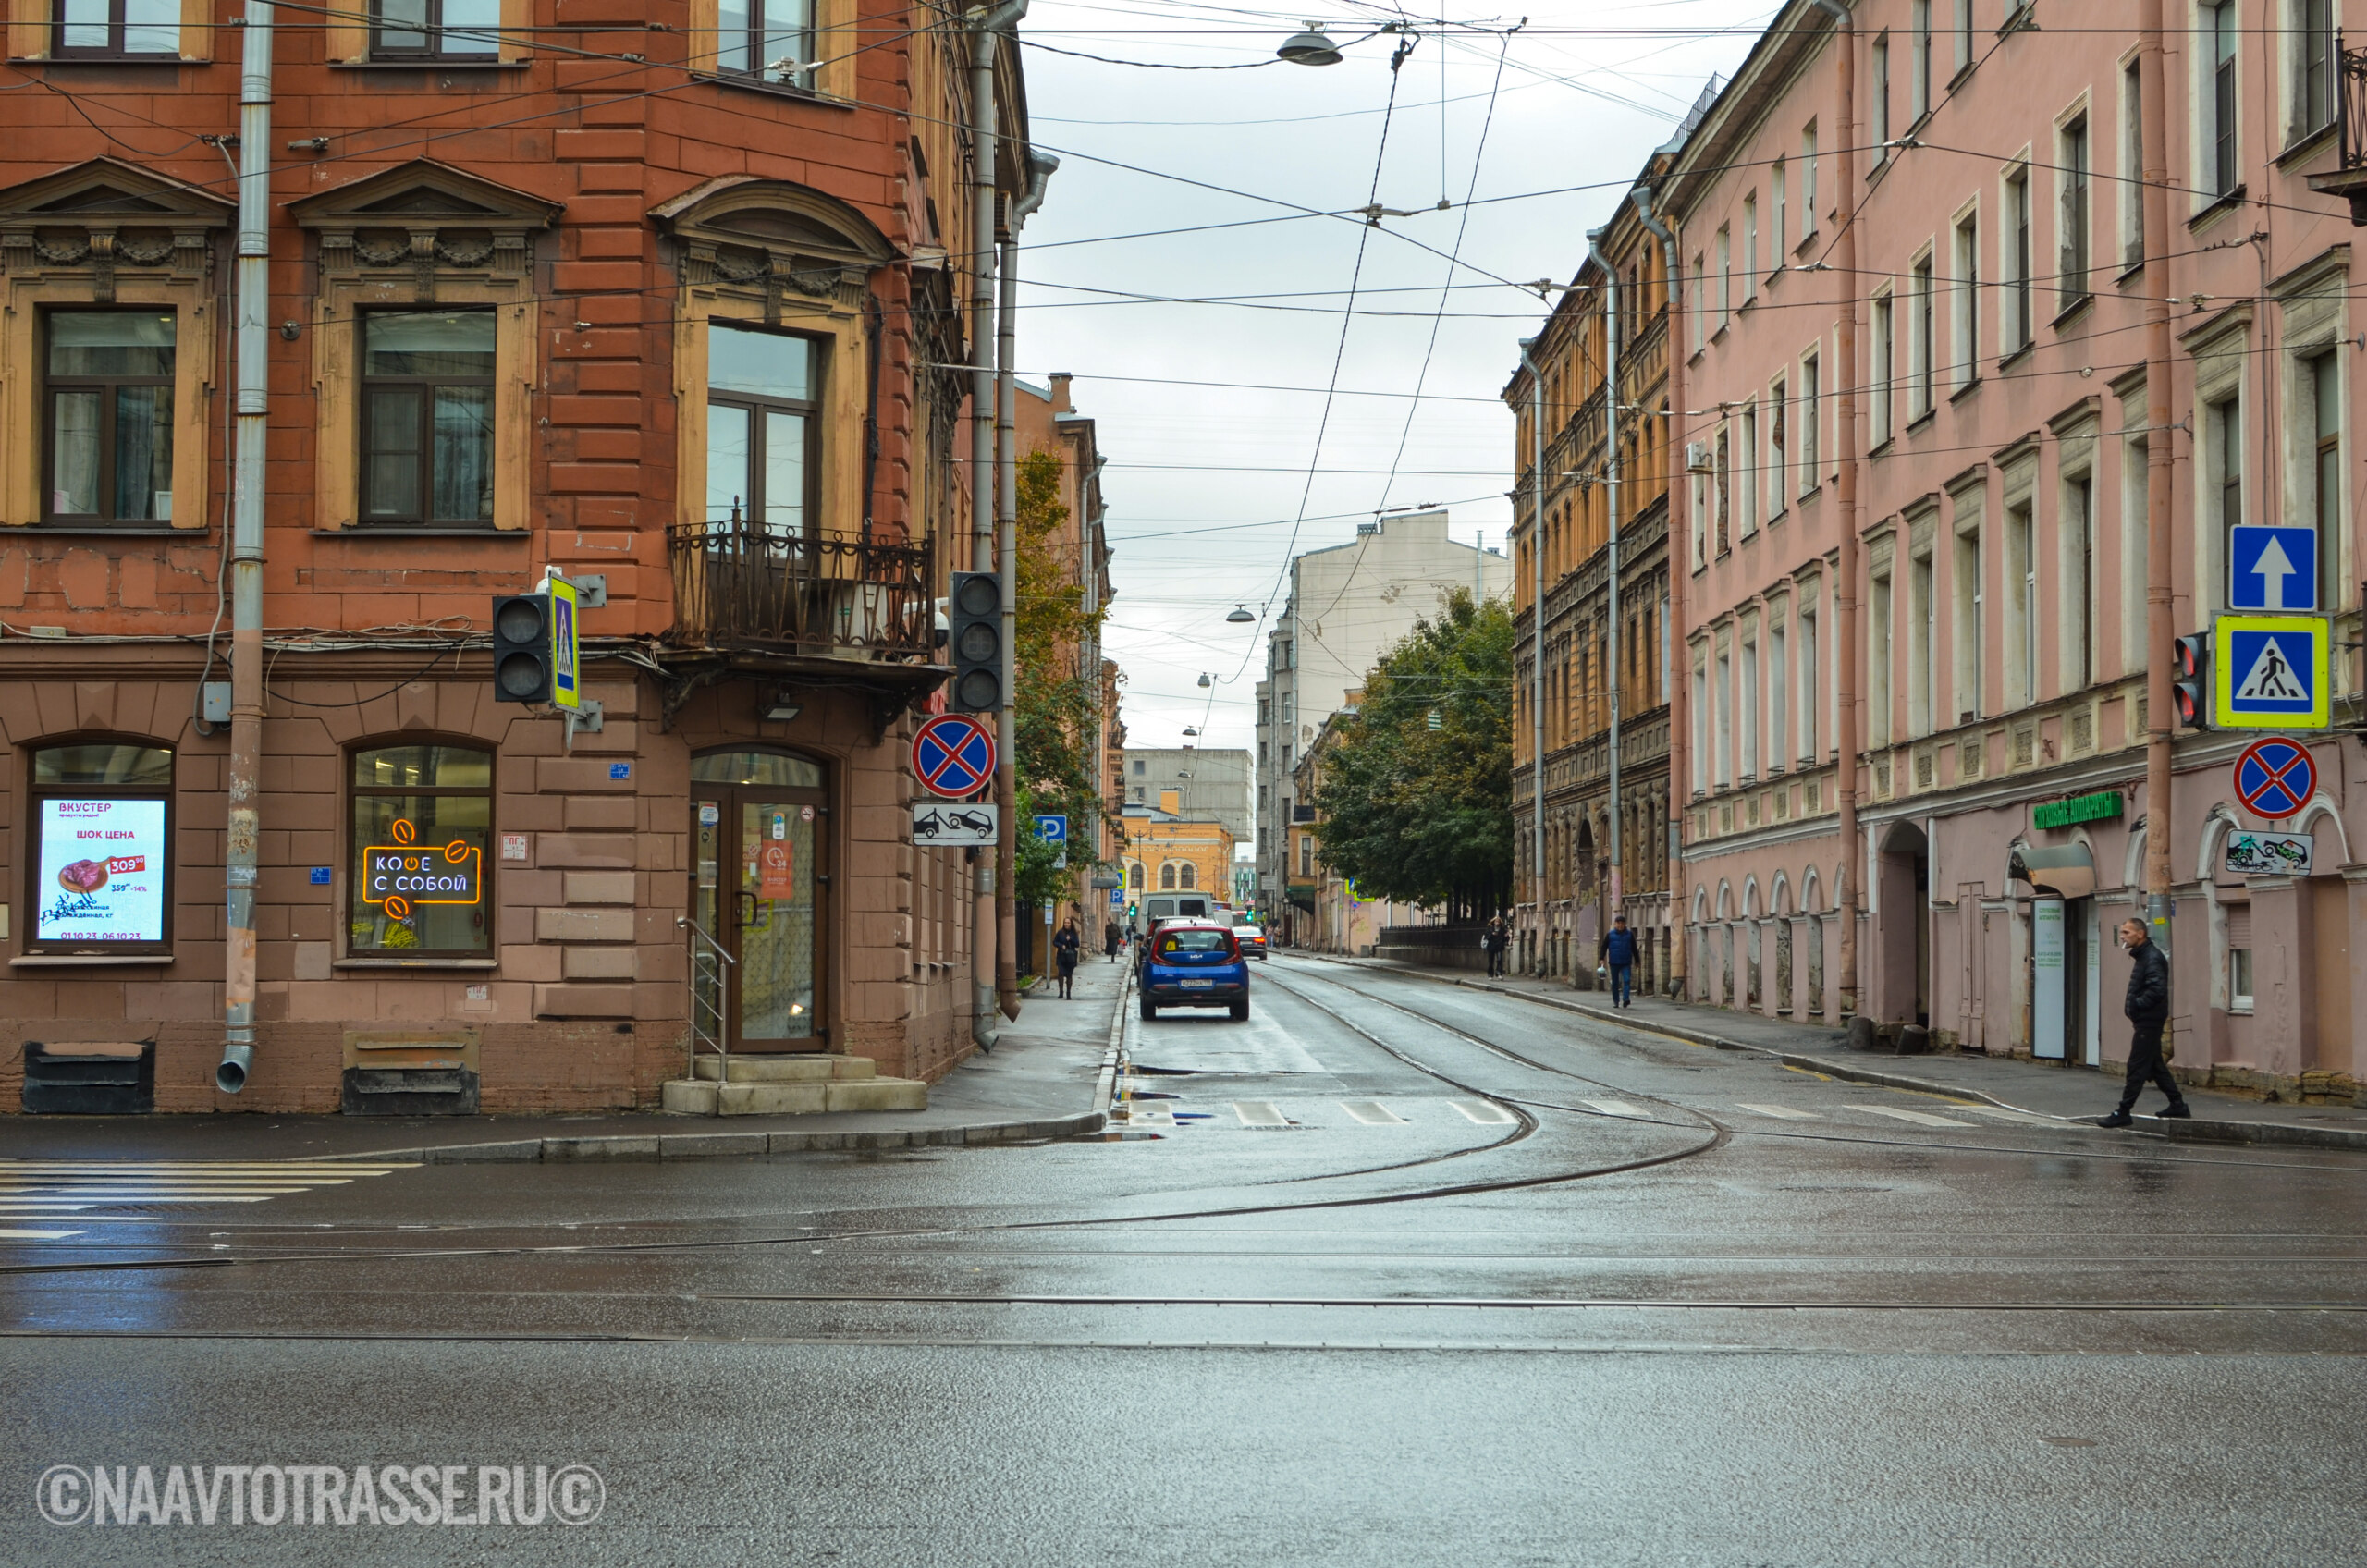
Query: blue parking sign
(1052, 830)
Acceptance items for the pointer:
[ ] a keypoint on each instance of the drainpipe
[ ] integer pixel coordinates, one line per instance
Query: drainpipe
(1537, 636)
(1040, 171)
(2160, 617)
(1846, 492)
(252, 407)
(1680, 567)
(987, 25)
(1614, 899)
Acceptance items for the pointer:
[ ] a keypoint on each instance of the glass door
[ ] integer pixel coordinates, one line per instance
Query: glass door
(759, 888)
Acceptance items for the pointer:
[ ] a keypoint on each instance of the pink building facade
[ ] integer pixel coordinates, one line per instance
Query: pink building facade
(1923, 421)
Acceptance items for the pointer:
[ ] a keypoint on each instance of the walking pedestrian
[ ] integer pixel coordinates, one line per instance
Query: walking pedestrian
(1619, 952)
(1113, 938)
(1066, 949)
(2148, 1007)
(1494, 939)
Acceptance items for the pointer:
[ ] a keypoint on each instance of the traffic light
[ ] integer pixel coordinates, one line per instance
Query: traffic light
(977, 644)
(2190, 681)
(521, 648)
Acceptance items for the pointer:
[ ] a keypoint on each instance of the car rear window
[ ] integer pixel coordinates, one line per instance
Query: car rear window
(1195, 942)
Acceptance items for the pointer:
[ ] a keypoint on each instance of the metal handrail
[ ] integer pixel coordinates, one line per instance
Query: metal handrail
(712, 962)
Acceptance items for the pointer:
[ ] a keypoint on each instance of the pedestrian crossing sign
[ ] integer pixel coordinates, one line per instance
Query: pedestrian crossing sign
(2270, 672)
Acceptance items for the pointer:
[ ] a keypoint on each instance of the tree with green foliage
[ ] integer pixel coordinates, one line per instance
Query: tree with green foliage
(1056, 760)
(1417, 789)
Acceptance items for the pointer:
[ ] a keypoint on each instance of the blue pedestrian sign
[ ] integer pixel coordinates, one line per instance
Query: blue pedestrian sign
(1052, 830)
(2269, 672)
(2273, 569)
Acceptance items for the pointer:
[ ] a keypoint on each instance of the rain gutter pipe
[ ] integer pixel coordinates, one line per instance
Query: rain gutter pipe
(1673, 624)
(1537, 638)
(1614, 902)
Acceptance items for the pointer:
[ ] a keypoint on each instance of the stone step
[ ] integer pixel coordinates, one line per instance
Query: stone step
(808, 1067)
(697, 1097)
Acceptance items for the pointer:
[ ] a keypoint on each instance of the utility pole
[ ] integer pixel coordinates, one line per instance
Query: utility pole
(2160, 624)
(252, 406)
(1536, 665)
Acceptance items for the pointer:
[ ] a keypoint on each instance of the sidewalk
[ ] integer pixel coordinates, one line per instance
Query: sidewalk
(1046, 1079)
(2068, 1093)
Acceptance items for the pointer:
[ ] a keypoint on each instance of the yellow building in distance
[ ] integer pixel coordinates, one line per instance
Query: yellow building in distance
(1167, 851)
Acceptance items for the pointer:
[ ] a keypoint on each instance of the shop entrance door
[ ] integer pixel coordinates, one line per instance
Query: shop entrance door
(759, 822)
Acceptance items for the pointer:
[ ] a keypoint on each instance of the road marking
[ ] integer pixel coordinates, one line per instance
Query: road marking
(1372, 1113)
(1260, 1113)
(1921, 1119)
(1485, 1114)
(33, 1188)
(2004, 1115)
(1783, 1111)
(1619, 1108)
(7, 1235)
(1147, 1116)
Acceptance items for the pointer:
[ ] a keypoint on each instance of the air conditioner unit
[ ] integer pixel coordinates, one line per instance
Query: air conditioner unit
(1696, 457)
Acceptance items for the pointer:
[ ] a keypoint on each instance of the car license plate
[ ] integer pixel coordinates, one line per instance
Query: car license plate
(1197, 985)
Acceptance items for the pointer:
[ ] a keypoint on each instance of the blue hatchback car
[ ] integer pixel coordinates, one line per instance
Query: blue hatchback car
(1194, 963)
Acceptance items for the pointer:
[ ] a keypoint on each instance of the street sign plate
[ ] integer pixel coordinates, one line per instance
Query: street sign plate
(2270, 854)
(2275, 777)
(936, 823)
(2273, 569)
(953, 756)
(1052, 830)
(567, 646)
(2269, 672)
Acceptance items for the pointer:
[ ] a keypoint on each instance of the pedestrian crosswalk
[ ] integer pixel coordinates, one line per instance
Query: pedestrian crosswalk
(66, 1189)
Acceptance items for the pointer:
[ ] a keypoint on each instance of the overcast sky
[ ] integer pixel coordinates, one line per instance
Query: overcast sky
(1205, 483)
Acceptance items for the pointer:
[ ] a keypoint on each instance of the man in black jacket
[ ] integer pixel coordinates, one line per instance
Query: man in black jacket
(2148, 1006)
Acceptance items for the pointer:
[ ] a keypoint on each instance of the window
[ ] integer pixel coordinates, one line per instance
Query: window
(2135, 545)
(2079, 610)
(116, 29)
(1778, 726)
(1966, 641)
(1807, 182)
(1963, 30)
(1920, 86)
(1700, 730)
(758, 36)
(1811, 414)
(435, 29)
(2017, 258)
(1879, 639)
(1880, 109)
(2226, 434)
(1919, 350)
(427, 417)
(2240, 965)
(1306, 856)
(1777, 465)
(2132, 164)
(1750, 246)
(1167, 872)
(1726, 276)
(1699, 272)
(2022, 609)
(2325, 398)
(2315, 64)
(1722, 478)
(2073, 157)
(1749, 486)
(1779, 193)
(1140, 767)
(761, 433)
(108, 431)
(1885, 365)
(1134, 875)
(1725, 718)
(422, 816)
(1747, 710)
(1187, 876)
(1922, 632)
(1967, 301)
(2218, 143)
(102, 879)
(1811, 698)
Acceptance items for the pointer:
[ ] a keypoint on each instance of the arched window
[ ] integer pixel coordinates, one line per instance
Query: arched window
(422, 818)
(103, 818)
(1187, 876)
(1134, 876)
(1167, 877)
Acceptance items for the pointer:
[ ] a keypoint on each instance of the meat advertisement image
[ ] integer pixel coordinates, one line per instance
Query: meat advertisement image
(83, 876)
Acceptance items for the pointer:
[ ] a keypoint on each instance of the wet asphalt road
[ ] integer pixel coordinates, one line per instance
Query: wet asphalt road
(1404, 1274)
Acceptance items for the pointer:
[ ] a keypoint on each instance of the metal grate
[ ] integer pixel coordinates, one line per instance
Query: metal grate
(739, 583)
(2351, 107)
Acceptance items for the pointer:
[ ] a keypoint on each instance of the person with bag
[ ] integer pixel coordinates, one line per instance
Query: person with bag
(1619, 952)
(2148, 1007)
(1494, 940)
(1065, 950)
(1112, 937)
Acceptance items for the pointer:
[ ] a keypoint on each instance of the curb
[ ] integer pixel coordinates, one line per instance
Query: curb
(726, 1146)
(2177, 1130)
(1105, 1086)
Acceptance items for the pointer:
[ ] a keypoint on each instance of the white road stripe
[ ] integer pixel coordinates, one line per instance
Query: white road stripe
(1372, 1113)
(1483, 1113)
(1260, 1113)
(6, 1235)
(198, 1167)
(1782, 1112)
(2002, 1114)
(1619, 1108)
(1921, 1119)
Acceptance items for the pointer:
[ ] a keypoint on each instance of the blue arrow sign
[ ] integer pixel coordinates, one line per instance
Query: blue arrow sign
(2273, 569)
(1052, 830)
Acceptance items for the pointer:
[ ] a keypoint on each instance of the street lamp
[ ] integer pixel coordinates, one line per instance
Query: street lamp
(1309, 48)
(1240, 616)
(1204, 678)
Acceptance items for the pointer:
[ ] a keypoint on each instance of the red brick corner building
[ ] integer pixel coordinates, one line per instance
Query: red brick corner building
(628, 298)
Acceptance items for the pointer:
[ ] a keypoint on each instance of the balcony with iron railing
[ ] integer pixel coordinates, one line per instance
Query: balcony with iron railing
(2348, 178)
(740, 586)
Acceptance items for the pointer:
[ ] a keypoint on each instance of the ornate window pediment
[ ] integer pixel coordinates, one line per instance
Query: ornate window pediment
(768, 235)
(105, 217)
(424, 220)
